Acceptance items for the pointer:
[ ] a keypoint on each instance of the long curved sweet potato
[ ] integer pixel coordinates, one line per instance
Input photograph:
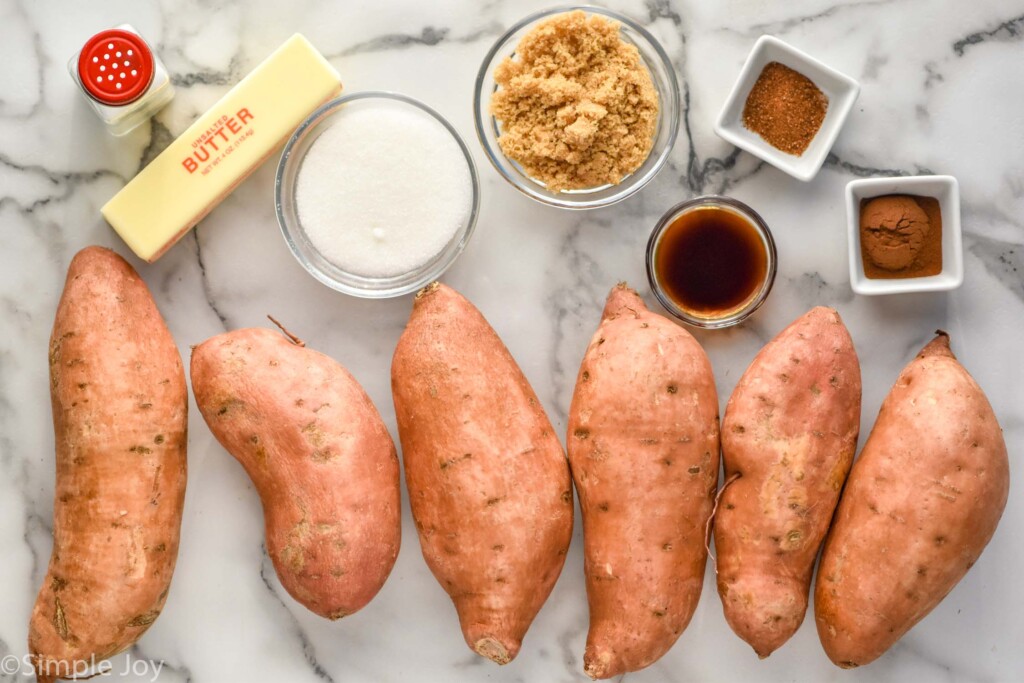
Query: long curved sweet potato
(789, 434)
(120, 409)
(922, 501)
(488, 480)
(643, 445)
(320, 457)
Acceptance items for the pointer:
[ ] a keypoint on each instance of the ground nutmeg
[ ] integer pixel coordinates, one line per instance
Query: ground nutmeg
(785, 108)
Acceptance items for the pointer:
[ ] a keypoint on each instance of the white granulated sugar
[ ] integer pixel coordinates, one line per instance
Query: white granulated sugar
(383, 190)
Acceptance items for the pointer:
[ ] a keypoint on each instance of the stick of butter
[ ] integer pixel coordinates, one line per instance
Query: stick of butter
(217, 152)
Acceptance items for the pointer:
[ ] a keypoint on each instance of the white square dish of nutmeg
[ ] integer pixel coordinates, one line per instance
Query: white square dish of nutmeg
(904, 234)
(786, 108)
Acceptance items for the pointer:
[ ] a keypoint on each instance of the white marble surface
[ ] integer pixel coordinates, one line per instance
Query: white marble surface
(943, 91)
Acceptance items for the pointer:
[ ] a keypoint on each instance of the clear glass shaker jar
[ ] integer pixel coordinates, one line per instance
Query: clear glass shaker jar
(124, 81)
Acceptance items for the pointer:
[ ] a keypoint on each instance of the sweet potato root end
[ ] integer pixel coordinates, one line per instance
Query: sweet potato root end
(493, 650)
(597, 665)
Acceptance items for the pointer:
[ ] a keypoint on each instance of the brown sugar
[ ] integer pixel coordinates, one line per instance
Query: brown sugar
(901, 236)
(785, 108)
(576, 104)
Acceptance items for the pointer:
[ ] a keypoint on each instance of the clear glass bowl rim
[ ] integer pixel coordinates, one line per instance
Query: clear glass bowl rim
(433, 269)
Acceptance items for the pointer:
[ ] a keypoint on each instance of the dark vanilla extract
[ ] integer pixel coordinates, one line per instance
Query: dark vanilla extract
(710, 261)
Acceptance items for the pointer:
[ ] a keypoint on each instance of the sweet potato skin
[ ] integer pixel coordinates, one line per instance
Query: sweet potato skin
(488, 481)
(922, 501)
(319, 456)
(120, 410)
(790, 431)
(643, 443)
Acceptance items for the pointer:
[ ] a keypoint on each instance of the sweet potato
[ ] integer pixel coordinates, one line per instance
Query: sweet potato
(788, 439)
(643, 447)
(320, 457)
(120, 408)
(922, 501)
(488, 480)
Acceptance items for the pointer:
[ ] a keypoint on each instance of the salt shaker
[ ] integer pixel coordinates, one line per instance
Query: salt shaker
(124, 81)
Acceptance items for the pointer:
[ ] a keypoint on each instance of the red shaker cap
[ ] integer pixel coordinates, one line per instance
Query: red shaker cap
(115, 67)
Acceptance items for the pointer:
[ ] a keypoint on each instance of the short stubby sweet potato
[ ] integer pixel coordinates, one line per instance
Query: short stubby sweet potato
(488, 481)
(788, 439)
(320, 457)
(120, 411)
(922, 501)
(643, 441)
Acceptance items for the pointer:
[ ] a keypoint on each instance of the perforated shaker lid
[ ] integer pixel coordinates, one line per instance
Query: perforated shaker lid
(115, 66)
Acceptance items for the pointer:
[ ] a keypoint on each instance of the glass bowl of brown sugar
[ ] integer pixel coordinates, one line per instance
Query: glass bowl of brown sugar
(575, 155)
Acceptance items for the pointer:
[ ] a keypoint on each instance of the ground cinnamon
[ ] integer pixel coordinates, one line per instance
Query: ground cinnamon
(901, 236)
(785, 108)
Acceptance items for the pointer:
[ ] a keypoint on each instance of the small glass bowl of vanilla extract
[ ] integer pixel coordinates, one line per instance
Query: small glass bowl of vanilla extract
(711, 261)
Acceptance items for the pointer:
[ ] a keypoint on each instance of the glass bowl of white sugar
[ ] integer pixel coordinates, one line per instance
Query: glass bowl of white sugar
(376, 194)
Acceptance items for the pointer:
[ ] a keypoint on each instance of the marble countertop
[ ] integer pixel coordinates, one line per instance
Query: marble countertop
(941, 92)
